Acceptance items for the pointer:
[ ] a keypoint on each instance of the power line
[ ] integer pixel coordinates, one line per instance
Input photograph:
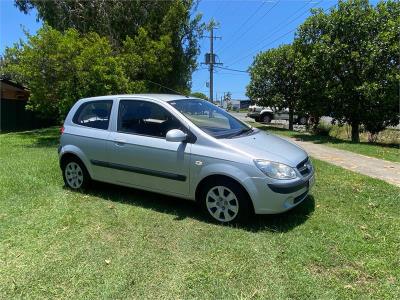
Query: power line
(252, 53)
(165, 87)
(231, 73)
(234, 70)
(278, 28)
(258, 20)
(200, 69)
(276, 31)
(217, 8)
(243, 24)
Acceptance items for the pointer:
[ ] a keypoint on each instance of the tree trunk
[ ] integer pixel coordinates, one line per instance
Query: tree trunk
(290, 118)
(355, 136)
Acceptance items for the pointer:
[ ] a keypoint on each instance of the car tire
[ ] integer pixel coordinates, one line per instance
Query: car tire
(225, 201)
(302, 121)
(75, 174)
(266, 119)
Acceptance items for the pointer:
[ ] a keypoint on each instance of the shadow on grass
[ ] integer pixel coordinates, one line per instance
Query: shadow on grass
(41, 138)
(183, 209)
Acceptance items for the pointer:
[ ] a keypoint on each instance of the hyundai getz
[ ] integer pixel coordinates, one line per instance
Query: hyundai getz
(184, 147)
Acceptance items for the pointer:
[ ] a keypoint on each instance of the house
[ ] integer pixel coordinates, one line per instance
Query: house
(241, 103)
(13, 113)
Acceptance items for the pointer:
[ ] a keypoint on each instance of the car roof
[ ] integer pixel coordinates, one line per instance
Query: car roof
(161, 97)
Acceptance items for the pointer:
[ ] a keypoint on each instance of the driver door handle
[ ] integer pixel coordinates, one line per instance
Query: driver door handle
(119, 142)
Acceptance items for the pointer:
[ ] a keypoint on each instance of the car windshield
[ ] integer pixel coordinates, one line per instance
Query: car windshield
(210, 118)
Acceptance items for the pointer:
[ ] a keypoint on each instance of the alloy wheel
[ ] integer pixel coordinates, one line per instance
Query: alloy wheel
(222, 204)
(74, 175)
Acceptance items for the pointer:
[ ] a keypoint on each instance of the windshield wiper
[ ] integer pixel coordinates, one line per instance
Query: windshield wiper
(242, 131)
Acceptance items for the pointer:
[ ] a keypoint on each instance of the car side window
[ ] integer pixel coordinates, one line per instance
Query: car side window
(94, 114)
(145, 118)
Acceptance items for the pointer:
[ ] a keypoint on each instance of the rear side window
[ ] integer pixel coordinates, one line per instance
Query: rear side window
(145, 118)
(94, 114)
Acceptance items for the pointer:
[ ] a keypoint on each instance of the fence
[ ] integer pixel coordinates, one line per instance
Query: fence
(14, 117)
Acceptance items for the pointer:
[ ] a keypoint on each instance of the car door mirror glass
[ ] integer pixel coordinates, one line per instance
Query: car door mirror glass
(176, 135)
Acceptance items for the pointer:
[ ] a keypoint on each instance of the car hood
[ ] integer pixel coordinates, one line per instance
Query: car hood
(262, 145)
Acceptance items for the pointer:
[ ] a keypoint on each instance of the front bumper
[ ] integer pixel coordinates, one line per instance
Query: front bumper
(278, 197)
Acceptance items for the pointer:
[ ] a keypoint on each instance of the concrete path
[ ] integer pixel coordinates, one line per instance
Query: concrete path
(370, 166)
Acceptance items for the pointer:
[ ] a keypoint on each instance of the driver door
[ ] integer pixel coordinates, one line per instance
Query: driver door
(139, 154)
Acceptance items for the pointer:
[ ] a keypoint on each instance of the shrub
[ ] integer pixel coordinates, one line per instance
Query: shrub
(322, 129)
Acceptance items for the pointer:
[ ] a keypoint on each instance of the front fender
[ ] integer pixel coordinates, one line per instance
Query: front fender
(240, 174)
(266, 111)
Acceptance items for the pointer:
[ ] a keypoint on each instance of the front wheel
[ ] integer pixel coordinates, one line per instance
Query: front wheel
(225, 202)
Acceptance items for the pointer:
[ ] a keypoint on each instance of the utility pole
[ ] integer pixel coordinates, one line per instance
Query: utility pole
(210, 57)
(211, 63)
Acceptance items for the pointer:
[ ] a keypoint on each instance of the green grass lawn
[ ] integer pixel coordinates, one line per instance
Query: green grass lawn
(113, 242)
(384, 151)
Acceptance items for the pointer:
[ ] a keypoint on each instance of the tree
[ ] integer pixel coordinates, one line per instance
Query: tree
(274, 79)
(355, 50)
(199, 95)
(119, 19)
(61, 67)
(313, 100)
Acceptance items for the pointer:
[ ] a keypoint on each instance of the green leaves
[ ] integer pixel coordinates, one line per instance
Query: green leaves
(103, 47)
(168, 26)
(274, 79)
(354, 49)
(344, 64)
(199, 95)
(61, 68)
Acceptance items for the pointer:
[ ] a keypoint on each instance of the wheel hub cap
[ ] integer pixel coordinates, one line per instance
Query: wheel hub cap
(222, 204)
(74, 175)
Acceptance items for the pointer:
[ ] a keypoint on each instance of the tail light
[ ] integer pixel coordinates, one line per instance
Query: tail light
(62, 129)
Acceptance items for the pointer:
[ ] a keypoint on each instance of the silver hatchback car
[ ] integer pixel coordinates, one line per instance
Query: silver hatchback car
(184, 147)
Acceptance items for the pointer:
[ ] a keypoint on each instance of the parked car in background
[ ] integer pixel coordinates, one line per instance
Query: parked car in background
(267, 114)
(184, 147)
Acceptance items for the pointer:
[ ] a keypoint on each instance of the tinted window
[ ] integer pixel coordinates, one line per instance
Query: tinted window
(146, 118)
(95, 114)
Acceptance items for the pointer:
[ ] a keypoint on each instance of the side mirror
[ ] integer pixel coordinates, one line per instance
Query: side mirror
(176, 135)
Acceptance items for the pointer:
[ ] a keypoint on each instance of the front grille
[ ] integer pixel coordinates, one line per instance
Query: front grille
(304, 167)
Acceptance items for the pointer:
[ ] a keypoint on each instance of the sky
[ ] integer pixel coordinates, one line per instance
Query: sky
(246, 27)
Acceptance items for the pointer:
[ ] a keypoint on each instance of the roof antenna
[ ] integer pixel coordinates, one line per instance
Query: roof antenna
(165, 87)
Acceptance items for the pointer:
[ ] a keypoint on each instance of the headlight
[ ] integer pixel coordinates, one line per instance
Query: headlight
(275, 170)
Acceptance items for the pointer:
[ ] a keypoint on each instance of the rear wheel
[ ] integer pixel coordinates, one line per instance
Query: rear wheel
(302, 121)
(75, 174)
(266, 118)
(225, 202)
